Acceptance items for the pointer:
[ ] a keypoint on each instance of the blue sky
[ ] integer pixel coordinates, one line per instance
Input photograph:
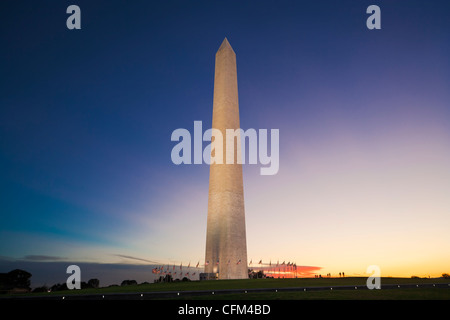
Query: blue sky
(364, 118)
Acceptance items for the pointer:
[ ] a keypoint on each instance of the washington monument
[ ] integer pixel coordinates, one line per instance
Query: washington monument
(226, 244)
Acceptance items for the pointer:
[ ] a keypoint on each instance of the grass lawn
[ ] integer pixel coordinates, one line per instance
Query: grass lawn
(395, 294)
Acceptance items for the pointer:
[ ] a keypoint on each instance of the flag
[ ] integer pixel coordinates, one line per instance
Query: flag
(217, 261)
(206, 263)
(239, 261)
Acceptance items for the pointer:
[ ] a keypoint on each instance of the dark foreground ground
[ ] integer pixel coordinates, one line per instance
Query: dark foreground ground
(260, 289)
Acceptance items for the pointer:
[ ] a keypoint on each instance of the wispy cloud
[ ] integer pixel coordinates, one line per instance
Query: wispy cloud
(308, 271)
(135, 258)
(43, 258)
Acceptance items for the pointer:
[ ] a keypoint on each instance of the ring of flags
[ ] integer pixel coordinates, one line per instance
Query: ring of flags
(171, 270)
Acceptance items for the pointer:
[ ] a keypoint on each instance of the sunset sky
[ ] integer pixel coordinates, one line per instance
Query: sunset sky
(86, 118)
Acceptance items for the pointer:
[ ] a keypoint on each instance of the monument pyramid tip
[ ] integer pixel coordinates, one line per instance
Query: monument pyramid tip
(225, 45)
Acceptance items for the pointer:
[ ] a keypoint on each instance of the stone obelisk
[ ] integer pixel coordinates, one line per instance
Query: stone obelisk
(226, 244)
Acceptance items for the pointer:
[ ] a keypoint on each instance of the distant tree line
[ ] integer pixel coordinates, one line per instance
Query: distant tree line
(92, 283)
(128, 283)
(169, 278)
(19, 281)
(16, 280)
